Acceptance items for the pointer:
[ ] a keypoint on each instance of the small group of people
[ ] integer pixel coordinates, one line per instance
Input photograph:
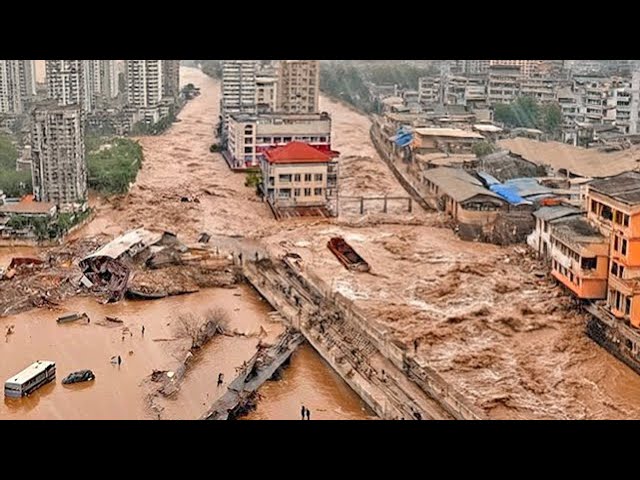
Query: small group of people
(305, 412)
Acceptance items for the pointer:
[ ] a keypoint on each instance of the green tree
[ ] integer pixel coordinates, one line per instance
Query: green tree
(552, 118)
(481, 149)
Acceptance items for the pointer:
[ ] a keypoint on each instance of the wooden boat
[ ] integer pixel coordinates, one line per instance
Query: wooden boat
(72, 317)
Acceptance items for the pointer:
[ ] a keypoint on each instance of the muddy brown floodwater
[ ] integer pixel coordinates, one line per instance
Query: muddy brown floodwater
(119, 392)
(177, 163)
(309, 381)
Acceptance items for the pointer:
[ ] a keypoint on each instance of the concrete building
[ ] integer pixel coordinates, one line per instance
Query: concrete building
(69, 83)
(451, 140)
(546, 217)
(429, 90)
(299, 180)
(102, 81)
(298, 86)
(145, 87)
(238, 91)
(266, 93)
(541, 87)
(503, 83)
(614, 207)
(17, 85)
(59, 170)
(171, 80)
(475, 66)
(249, 136)
(527, 67)
(579, 258)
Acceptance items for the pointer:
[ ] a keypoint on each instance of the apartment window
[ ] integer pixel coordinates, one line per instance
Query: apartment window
(614, 269)
(248, 140)
(317, 191)
(624, 247)
(307, 192)
(606, 213)
(248, 149)
(296, 177)
(284, 178)
(625, 220)
(589, 263)
(307, 177)
(615, 243)
(296, 192)
(627, 306)
(318, 177)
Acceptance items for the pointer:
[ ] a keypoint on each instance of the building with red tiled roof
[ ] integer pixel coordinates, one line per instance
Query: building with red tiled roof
(299, 176)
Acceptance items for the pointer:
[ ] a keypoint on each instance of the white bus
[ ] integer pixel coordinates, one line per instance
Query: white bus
(30, 379)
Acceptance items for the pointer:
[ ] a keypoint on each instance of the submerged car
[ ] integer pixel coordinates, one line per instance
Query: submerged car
(77, 377)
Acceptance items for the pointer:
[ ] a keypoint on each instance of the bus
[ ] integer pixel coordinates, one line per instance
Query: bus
(31, 378)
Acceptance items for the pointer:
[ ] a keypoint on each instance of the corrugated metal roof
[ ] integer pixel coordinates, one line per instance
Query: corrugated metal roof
(457, 183)
(555, 212)
(126, 242)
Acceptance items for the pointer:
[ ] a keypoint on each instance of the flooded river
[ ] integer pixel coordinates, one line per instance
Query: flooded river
(226, 208)
(309, 381)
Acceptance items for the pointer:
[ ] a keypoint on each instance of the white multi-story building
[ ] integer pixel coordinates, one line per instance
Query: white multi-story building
(17, 85)
(238, 89)
(58, 164)
(250, 136)
(298, 86)
(145, 87)
(68, 83)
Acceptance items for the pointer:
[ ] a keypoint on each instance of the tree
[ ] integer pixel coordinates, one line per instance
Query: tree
(481, 149)
(254, 179)
(202, 329)
(552, 118)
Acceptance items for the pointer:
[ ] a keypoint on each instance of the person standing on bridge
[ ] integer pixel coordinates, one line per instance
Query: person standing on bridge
(308, 414)
(303, 411)
(143, 331)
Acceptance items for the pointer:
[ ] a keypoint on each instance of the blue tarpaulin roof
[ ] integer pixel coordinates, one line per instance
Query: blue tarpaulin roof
(509, 193)
(403, 137)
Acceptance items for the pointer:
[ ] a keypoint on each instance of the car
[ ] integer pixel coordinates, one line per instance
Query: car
(77, 377)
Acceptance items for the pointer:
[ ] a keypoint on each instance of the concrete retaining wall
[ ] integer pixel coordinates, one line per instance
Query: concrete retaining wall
(385, 403)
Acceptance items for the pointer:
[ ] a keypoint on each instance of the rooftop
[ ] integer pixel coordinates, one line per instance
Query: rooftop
(447, 132)
(126, 242)
(458, 184)
(553, 213)
(487, 128)
(579, 161)
(28, 206)
(624, 187)
(296, 152)
(577, 230)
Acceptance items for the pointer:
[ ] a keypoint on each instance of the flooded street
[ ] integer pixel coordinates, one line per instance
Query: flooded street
(119, 392)
(309, 381)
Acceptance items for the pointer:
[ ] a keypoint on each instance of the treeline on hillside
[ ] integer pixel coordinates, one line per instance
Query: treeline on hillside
(213, 68)
(525, 112)
(12, 182)
(348, 81)
(113, 164)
